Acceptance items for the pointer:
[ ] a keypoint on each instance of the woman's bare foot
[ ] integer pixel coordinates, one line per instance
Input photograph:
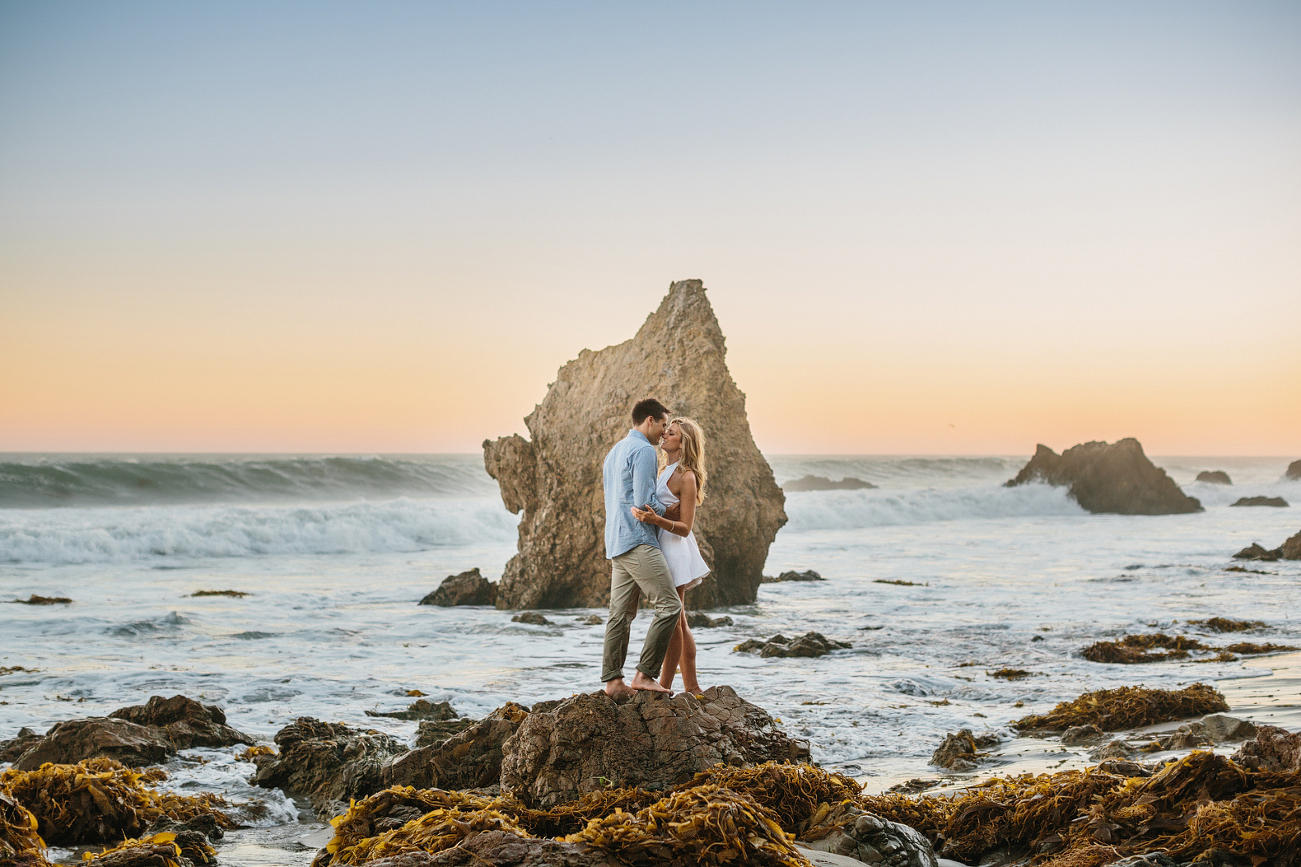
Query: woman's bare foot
(618, 687)
(694, 689)
(650, 684)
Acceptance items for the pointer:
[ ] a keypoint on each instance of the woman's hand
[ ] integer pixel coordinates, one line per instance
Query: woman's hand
(645, 515)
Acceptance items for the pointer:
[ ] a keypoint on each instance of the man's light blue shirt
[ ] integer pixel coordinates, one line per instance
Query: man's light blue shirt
(630, 474)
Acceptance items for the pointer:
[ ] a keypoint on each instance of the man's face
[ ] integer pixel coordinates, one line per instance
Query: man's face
(657, 428)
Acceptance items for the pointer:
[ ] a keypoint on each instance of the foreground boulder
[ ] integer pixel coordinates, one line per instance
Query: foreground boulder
(555, 478)
(1214, 477)
(468, 759)
(1274, 749)
(467, 588)
(328, 763)
(591, 742)
(185, 722)
(1114, 478)
(73, 741)
(872, 840)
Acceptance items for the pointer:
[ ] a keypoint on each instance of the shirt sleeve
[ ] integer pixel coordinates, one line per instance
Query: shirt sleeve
(644, 473)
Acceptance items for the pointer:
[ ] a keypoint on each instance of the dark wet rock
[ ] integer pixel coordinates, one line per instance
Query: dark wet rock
(590, 620)
(809, 644)
(1291, 549)
(467, 760)
(590, 742)
(468, 588)
(1114, 478)
(1124, 768)
(1076, 736)
(185, 722)
(67, 743)
(195, 852)
(11, 749)
(1276, 502)
(1214, 477)
(961, 751)
(420, 709)
(701, 620)
(807, 575)
(329, 763)
(1222, 729)
(204, 824)
(532, 618)
(433, 732)
(1274, 749)
(1293, 471)
(554, 478)
(1255, 551)
(821, 483)
(880, 842)
(43, 600)
(504, 849)
(1117, 749)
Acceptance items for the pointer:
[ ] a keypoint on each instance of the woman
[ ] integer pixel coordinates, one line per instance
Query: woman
(682, 481)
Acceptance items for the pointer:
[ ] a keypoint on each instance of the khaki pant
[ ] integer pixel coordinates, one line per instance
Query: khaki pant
(641, 570)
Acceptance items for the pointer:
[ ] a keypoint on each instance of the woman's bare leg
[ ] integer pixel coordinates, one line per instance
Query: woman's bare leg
(688, 657)
(672, 655)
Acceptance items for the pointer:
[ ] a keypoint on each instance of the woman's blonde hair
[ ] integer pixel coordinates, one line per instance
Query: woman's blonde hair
(692, 456)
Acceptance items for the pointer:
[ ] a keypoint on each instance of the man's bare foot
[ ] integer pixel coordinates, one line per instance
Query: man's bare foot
(641, 681)
(618, 687)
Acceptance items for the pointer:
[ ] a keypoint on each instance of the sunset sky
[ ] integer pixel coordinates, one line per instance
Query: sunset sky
(957, 228)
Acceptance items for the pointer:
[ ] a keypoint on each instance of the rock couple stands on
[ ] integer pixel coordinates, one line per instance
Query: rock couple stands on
(555, 477)
(1109, 477)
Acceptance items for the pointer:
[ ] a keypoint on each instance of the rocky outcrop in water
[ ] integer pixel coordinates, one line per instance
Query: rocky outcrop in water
(329, 763)
(554, 478)
(1291, 549)
(1293, 471)
(1114, 478)
(467, 588)
(185, 722)
(591, 742)
(809, 644)
(69, 742)
(1276, 502)
(792, 575)
(1256, 551)
(1214, 477)
(961, 751)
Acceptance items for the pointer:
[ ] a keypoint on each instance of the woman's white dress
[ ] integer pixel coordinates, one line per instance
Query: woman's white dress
(686, 565)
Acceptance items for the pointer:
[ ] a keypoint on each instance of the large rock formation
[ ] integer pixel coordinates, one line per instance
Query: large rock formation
(588, 742)
(555, 478)
(1116, 478)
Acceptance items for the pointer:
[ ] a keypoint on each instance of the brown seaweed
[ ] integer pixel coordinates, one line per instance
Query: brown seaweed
(20, 844)
(100, 800)
(166, 849)
(1158, 647)
(1128, 707)
(1224, 624)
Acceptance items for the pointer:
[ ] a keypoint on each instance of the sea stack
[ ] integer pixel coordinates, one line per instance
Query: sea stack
(1115, 478)
(554, 478)
(1293, 471)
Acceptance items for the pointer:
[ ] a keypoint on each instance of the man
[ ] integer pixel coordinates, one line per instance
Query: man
(637, 564)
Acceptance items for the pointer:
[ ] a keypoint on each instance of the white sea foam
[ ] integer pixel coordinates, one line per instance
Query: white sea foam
(854, 510)
(64, 536)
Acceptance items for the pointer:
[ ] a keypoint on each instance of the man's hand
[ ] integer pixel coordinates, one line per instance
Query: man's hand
(673, 512)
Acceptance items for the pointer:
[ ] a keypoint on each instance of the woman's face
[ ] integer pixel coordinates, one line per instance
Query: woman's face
(672, 439)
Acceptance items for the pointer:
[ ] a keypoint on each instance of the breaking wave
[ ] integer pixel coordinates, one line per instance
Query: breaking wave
(851, 510)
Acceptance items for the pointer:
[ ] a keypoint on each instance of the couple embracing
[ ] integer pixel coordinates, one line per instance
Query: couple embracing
(651, 548)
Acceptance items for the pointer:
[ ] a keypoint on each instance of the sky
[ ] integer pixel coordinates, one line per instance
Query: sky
(926, 228)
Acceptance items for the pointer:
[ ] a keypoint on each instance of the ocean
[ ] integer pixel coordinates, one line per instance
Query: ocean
(335, 552)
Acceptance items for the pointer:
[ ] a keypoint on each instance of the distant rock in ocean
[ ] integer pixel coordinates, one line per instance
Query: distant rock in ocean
(821, 483)
(1294, 471)
(1289, 550)
(467, 588)
(1115, 478)
(1276, 502)
(1214, 477)
(555, 478)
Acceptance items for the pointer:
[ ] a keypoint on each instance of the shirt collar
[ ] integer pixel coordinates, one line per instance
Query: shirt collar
(634, 432)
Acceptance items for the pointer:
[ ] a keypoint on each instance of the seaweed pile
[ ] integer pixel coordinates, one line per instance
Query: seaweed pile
(1158, 647)
(1128, 707)
(166, 849)
(101, 801)
(1202, 806)
(1224, 624)
(20, 845)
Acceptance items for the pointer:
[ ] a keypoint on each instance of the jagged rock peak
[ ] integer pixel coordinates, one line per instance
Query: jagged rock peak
(554, 477)
(1109, 477)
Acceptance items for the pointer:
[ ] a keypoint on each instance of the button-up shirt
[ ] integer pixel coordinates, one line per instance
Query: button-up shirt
(630, 472)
